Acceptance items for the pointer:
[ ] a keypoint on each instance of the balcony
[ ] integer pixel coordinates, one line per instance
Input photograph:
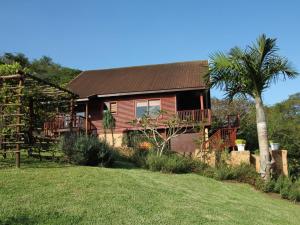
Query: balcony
(197, 115)
(63, 123)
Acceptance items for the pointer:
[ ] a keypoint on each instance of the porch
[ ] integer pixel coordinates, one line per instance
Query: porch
(61, 123)
(196, 115)
(194, 106)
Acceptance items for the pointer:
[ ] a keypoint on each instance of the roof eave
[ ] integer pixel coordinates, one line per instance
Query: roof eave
(149, 92)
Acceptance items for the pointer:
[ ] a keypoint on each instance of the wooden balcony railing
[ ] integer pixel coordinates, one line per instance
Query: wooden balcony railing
(198, 115)
(63, 122)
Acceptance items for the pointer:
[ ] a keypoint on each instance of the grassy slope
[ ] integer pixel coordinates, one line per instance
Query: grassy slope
(87, 195)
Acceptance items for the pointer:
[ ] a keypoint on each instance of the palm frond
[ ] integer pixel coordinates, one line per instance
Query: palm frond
(249, 71)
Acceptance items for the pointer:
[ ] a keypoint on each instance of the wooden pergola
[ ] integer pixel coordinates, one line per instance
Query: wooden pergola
(26, 103)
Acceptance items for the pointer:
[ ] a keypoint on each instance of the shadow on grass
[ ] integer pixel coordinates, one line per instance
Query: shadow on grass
(30, 162)
(124, 165)
(19, 219)
(48, 217)
(34, 161)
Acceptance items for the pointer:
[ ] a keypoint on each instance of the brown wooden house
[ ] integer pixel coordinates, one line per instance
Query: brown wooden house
(128, 93)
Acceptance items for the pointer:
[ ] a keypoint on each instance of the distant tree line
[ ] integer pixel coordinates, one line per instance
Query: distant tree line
(43, 67)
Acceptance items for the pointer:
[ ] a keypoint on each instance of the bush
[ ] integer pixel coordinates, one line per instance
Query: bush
(269, 186)
(169, 163)
(294, 193)
(176, 164)
(139, 157)
(86, 150)
(223, 172)
(66, 145)
(245, 173)
(134, 139)
(287, 188)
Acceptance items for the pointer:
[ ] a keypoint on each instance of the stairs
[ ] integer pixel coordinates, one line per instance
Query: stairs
(224, 137)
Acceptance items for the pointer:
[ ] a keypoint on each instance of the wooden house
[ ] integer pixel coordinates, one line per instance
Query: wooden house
(130, 92)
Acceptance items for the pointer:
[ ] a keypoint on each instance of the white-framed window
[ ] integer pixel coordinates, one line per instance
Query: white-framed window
(147, 107)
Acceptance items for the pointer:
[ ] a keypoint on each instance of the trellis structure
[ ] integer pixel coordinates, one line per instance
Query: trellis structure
(26, 102)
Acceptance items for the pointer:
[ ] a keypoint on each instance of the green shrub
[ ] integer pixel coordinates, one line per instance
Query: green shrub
(287, 188)
(86, 150)
(207, 172)
(89, 150)
(133, 139)
(280, 183)
(139, 157)
(223, 172)
(155, 162)
(240, 141)
(169, 163)
(177, 164)
(198, 166)
(245, 173)
(66, 145)
(294, 193)
(269, 186)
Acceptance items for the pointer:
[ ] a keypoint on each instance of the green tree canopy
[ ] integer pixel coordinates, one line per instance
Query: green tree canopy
(44, 68)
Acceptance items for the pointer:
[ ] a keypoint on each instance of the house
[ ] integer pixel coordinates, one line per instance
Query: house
(129, 92)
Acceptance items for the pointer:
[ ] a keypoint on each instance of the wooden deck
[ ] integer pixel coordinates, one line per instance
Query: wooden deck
(198, 115)
(64, 123)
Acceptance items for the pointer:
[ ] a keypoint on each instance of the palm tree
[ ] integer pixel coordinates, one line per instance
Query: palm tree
(249, 72)
(109, 123)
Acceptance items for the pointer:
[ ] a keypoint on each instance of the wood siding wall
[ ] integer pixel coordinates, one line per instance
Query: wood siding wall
(126, 109)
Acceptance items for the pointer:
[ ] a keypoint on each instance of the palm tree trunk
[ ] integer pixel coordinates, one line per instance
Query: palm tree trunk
(265, 165)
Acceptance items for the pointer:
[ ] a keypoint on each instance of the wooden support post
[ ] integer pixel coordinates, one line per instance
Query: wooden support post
(86, 117)
(18, 122)
(72, 112)
(3, 146)
(202, 107)
(201, 102)
(30, 129)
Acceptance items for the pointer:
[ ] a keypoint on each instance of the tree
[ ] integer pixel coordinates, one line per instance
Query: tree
(284, 127)
(152, 126)
(10, 58)
(249, 72)
(43, 68)
(109, 122)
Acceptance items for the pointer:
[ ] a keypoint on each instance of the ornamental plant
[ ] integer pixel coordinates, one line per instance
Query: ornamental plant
(240, 141)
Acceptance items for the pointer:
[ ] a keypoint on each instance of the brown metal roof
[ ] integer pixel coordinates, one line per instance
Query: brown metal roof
(140, 79)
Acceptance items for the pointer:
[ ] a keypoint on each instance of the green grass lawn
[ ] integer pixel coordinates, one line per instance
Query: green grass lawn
(50, 193)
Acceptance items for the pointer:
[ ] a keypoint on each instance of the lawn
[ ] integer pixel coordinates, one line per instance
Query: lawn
(50, 193)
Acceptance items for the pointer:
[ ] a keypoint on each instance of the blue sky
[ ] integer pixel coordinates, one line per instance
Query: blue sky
(102, 34)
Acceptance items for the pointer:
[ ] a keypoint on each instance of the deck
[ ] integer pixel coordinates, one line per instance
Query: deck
(64, 123)
(197, 115)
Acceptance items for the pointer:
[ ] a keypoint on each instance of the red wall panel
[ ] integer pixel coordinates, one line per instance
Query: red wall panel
(126, 109)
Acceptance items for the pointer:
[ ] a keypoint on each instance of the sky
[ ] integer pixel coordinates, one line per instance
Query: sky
(88, 34)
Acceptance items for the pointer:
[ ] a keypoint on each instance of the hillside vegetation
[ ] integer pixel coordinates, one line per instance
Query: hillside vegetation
(50, 193)
(43, 67)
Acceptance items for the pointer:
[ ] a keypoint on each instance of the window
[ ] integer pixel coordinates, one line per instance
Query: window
(147, 107)
(113, 107)
(153, 107)
(141, 108)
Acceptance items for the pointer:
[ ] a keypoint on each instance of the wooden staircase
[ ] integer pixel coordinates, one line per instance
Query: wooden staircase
(224, 137)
